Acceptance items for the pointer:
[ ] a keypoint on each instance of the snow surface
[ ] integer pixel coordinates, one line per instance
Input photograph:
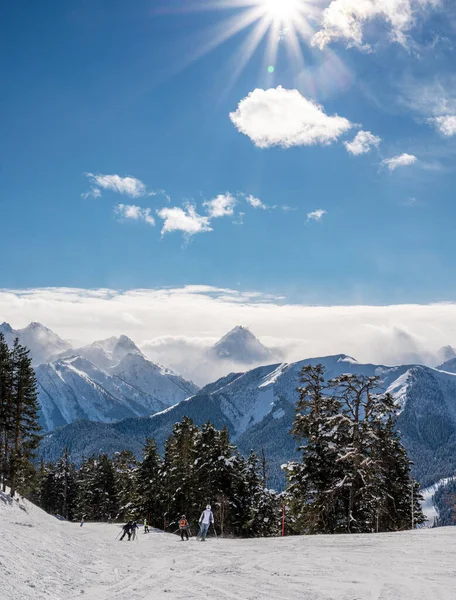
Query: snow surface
(44, 558)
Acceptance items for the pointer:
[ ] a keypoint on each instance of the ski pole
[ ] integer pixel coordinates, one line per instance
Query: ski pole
(118, 534)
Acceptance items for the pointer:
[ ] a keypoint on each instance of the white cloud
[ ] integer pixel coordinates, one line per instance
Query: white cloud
(130, 211)
(281, 117)
(183, 219)
(445, 124)
(255, 202)
(346, 20)
(402, 160)
(92, 193)
(221, 206)
(129, 186)
(381, 334)
(362, 143)
(316, 215)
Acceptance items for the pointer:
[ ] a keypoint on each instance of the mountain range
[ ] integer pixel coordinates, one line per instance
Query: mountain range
(108, 395)
(258, 407)
(112, 379)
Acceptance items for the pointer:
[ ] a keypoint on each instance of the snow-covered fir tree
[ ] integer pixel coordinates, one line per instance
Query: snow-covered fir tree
(97, 493)
(200, 467)
(19, 425)
(125, 466)
(149, 489)
(354, 475)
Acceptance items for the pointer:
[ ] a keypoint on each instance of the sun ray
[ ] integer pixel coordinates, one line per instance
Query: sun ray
(223, 32)
(285, 23)
(248, 48)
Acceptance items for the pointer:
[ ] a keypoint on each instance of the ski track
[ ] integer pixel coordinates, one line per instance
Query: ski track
(43, 558)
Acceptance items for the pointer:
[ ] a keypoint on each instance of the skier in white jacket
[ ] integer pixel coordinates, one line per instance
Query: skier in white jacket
(206, 519)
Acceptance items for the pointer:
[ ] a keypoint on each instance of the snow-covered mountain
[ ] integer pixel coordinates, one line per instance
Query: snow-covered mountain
(105, 353)
(258, 409)
(73, 387)
(238, 350)
(41, 341)
(240, 346)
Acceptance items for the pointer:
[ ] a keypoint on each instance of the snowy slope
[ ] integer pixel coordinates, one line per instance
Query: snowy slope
(44, 558)
(41, 341)
(158, 381)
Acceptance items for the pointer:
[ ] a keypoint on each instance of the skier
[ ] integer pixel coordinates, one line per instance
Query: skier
(146, 526)
(127, 529)
(134, 527)
(206, 519)
(183, 526)
(82, 521)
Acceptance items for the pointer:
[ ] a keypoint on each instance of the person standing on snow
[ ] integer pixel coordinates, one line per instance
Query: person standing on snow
(134, 527)
(206, 519)
(146, 526)
(183, 527)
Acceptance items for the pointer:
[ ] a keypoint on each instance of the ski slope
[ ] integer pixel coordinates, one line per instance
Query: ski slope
(43, 558)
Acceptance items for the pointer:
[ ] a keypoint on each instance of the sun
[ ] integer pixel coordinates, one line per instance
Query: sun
(282, 11)
(283, 23)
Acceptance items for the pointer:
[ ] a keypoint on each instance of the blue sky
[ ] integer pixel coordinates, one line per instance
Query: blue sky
(109, 88)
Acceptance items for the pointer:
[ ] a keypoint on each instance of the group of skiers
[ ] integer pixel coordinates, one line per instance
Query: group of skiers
(205, 521)
(129, 529)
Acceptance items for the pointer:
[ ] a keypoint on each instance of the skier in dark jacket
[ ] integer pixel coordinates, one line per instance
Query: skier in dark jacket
(183, 527)
(127, 530)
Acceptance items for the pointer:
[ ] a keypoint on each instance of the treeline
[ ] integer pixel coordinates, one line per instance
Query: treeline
(18, 417)
(199, 466)
(355, 475)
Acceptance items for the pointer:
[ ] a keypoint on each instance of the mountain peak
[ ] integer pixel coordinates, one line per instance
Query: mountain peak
(240, 345)
(6, 328)
(35, 325)
(125, 346)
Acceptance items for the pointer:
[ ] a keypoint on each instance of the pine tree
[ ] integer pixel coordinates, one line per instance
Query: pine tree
(18, 416)
(355, 474)
(178, 470)
(6, 409)
(64, 476)
(312, 492)
(124, 464)
(149, 485)
(97, 494)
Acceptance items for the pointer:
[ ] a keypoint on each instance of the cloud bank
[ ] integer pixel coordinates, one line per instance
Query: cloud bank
(170, 321)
